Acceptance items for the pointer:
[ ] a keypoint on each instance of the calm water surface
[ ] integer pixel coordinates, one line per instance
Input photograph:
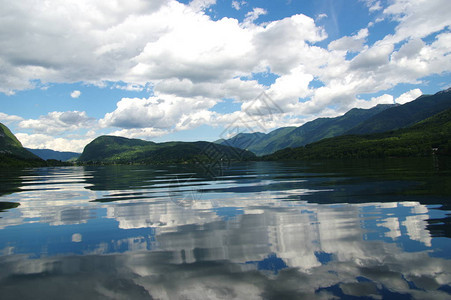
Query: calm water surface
(316, 230)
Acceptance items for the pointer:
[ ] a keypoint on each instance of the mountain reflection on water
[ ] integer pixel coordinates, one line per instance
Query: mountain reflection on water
(257, 231)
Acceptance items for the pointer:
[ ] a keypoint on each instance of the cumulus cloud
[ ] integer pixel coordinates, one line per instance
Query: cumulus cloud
(408, 96)
(5, 118)
(45, 141)
(384, 99)
(49, 55)
(142, 133)
(353, 43)
(288, 89)
(58, 122)
(108, 44)
(199, 5)
(410, 49)
(75, 94)
(372, 58)
(373, 5)
(417, 19)
(162, 112)
(193, 120)
(254, 15)
(232, 88)
(284, 44)
(197, 49)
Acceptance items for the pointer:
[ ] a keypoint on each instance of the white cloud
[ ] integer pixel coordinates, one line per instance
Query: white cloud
(339, 94)
(48, 53)
(283, 45)
(409, 96)
(195, 119)
(373, 5)
(197, 49)
(44, 141)
(418, 19)
(131, 87)
(75, 94)
(384, 99)
(415, 59)
(238, 4)
(232, 88)
(162, 112)
(107, 45)
(254, 15)
(58, 122)
(350, 43)
(373, 57)
(6, 119)
(142, 133)
(410, 49)
(321, 16)
(287, 89)
(199, 5)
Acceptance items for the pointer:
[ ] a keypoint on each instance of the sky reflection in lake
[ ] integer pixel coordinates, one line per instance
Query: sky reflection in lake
(260, 230)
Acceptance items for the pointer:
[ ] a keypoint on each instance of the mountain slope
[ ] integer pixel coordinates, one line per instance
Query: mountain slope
(120, 150)
(52, 154)
(243, 140)
(312, 131)
(405, 115)
(276, 139)
(12, 153)
(329, 127)
(7, 138)
(106, 147)
(432, 135)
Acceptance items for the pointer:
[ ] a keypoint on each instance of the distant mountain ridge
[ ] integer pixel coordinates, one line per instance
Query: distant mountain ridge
(52, 154)
(290, 137)
(381, 118)
(405, 115)
(121, 150)
(432, 135)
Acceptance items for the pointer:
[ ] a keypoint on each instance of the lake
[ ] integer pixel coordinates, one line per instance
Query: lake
(259, 230)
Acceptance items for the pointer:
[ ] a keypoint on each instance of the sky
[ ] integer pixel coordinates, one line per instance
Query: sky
(162, 70)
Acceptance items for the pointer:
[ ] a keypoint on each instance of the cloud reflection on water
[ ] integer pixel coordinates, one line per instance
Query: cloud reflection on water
(228, 243)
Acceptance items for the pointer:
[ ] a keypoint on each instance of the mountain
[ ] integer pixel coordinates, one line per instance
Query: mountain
(432, 135)
(120, 150)
(12, 153)
(243, 140)
(274, 140)
(52, 154)
(312, 131)
(405, 115)
(8, 139)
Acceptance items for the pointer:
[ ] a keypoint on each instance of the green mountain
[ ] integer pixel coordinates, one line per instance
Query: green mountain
(432, 135)
(7, 138)
(120, 150)
(12, 153)
(243, 140)
(274, 140)
(405, 115)
(313, 131)
(52, 154)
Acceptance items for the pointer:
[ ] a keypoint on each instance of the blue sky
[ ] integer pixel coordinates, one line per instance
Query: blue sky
(206, 69)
